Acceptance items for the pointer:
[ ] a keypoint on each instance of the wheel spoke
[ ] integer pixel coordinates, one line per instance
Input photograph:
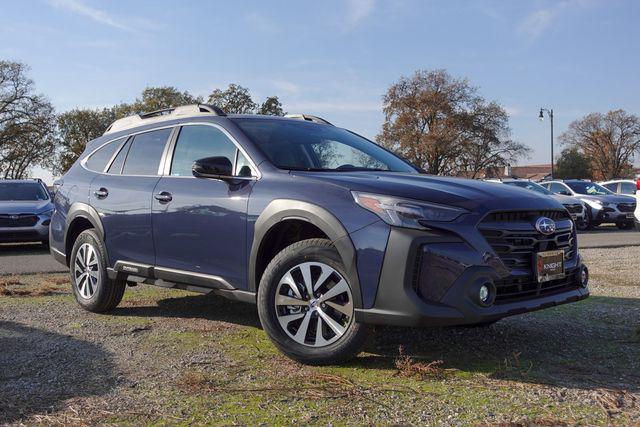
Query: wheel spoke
(306, 277)
(304, 327)
(288, 280)
(346, 309)
(320, 341)
(82, 286)
(93, 274)
(337, 328)
(338, 289)
(286, 300)
(326, 272)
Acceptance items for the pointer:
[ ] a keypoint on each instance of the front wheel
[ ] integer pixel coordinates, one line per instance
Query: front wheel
(306, 305)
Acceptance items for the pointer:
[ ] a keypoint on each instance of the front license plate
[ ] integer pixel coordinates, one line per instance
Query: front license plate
(574, 216)
(630, 215)
(550, 265)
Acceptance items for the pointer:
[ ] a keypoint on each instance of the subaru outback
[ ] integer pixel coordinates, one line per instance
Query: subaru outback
(324, 230)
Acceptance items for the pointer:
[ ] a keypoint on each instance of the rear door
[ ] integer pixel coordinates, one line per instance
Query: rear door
(199, 225)
(123, 195)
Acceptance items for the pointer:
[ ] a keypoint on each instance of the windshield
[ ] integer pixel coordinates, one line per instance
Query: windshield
(22, 192)
(530, 186)
(299, 145)
(588, 188)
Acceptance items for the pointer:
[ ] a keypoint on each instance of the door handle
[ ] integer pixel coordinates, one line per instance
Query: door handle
(163, 197)
(101, 193)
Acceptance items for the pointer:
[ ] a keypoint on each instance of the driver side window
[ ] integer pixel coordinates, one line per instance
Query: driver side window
(197, 142)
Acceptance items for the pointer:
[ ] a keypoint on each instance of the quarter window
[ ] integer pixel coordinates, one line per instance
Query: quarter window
(145, 153)
(627, 188)
(198, 142)
(98, 160)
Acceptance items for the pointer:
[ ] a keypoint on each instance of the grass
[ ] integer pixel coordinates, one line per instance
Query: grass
(186, 359)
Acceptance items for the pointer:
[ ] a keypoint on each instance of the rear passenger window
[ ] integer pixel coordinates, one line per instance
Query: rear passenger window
(627, 188)
(116, 165)
(98, 160)
(197, 142)
(613, 187)
(145, 153)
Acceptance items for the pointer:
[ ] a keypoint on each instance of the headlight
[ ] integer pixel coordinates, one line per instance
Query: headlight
(406, 212)
(593, 203)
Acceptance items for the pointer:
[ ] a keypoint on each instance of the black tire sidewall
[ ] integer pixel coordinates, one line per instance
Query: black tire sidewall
(100, 298)
(318, 250)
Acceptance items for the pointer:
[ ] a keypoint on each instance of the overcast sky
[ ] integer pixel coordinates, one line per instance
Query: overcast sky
(336, 58)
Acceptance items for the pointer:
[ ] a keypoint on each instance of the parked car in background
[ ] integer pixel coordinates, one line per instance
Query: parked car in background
(638, 204)
(626, 187)
(324, 230)
(603, 206)
(574, 206)
(25, 211)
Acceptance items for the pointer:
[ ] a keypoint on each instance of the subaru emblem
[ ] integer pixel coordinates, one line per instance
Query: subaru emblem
(545, 225)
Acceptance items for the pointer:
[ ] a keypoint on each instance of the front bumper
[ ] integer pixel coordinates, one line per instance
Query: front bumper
(455, 279)
(36, 233)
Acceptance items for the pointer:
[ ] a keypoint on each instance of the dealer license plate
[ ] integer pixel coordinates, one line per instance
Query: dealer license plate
(550, 265)
(630, 215)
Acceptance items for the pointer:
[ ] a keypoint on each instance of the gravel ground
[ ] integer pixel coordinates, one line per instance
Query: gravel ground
(171, 357)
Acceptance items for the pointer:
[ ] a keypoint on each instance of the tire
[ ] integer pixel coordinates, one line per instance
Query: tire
(93, 291)
(284, 279)
(587, 223)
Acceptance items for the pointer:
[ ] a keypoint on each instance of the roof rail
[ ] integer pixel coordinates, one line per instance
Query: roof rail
(309, 118)
(162, 115)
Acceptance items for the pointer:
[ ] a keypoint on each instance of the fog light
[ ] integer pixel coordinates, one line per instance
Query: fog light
(484, 294)
(584, 277)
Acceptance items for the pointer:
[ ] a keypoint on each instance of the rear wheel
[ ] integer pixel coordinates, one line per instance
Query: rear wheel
(306, 306)
(92, 288)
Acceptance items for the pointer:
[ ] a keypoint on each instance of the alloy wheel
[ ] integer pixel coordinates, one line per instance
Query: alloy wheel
(86, 271)
(314, 304)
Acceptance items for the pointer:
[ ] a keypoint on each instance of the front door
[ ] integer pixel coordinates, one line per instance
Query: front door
(123, 195)
(199, 225)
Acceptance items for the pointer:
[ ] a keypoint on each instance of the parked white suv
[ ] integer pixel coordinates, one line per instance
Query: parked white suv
(621, 186)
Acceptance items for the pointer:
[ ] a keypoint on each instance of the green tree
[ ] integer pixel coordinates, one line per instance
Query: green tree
(572, 164)
(75, 129)
(27, 122)
(233, 100)
(441, 124)
(271, 107)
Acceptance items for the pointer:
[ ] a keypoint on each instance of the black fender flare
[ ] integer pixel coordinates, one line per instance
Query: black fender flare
(283, 209)
(85, 211)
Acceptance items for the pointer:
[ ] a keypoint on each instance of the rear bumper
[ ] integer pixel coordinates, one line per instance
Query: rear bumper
(455, 280)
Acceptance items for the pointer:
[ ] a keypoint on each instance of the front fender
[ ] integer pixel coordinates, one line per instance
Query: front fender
(283, 209)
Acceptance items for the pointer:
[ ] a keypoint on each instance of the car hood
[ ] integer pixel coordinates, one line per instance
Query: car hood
(612, 198)
(567, 200)
(25, 207)
(465, 193)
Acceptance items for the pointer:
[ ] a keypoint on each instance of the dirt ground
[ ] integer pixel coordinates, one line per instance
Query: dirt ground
(171, 357)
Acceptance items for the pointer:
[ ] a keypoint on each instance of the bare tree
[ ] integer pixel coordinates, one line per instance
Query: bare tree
(610, 141)
(444, 126)
(27, 122)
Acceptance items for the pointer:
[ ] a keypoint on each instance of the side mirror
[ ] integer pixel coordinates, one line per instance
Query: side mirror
(213, 167)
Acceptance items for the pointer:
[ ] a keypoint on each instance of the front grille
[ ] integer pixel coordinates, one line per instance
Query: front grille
(574, 209)
(514, 289)
(516, 249)
(627, 207)
(22, 220)
(524, 216)
(513, 237)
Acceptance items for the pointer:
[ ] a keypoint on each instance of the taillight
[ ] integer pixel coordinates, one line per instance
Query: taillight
(638, 184)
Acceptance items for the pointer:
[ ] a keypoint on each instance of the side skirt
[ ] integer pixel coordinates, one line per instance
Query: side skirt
(178, 279)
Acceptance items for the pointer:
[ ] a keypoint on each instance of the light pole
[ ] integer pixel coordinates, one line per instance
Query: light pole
(541, 117)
